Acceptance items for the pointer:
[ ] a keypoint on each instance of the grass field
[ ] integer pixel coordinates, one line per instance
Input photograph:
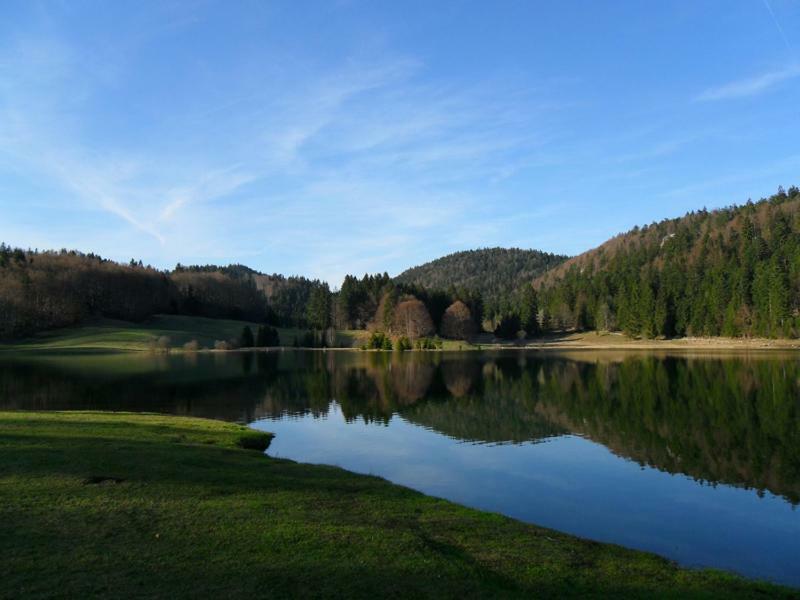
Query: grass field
(122, 505)
(121, 336)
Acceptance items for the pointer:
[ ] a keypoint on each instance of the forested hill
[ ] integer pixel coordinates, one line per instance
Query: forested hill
(733, 271)
(494, 272)
(51, 289)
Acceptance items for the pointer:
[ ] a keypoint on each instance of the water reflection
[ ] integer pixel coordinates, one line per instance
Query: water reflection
(468, 427)
(732, 420)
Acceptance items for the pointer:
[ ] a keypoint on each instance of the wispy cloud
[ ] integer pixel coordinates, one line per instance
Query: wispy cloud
(782, 33)
(751, 86)
(331, 154)
(307, 155)
(215, 184)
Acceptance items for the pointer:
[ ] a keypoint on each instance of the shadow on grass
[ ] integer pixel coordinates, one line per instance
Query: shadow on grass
(185, 518)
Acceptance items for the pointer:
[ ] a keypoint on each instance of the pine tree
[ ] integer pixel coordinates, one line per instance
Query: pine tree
(273, 337)
(646, 308)
(267, 336)
(246, 338)
(729, 325)
(528, 309)
(318, 309)
(345, 302)
(778, 300)
(508, 326)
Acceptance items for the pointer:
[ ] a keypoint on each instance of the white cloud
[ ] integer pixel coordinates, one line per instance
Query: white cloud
(749, 87)
(212, 185)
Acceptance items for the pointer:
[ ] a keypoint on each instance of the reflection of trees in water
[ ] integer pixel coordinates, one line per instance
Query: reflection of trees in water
(411, 378)
(378, 386)
(191, 385)
(733, 420)
(500, 408)
(459, 376)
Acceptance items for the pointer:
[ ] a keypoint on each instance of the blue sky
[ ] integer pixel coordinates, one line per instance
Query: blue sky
(347, 136)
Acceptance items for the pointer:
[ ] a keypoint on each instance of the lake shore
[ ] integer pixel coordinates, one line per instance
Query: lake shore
(618, 341)
(128, 504)
(119, 336)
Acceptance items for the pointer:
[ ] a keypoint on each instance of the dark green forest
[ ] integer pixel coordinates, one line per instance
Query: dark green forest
(733, 272)
(496, 274)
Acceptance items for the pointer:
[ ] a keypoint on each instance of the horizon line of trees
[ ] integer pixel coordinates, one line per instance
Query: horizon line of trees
(733, 272)
(41, 290)
(384, 305)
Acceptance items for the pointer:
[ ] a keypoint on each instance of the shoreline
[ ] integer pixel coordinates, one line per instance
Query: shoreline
(680, 344)
(613, 341)
(672, 346)
(117, 337)
(209, 501)
(111, 336)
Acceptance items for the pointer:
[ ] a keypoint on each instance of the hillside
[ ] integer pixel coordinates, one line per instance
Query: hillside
(45, 290)
(733, 271)
(494, 272)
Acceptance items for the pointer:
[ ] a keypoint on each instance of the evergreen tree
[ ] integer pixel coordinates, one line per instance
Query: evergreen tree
(508, 326)
(261, 337)
(778, 300)
(729, 325)
(318, 310)
(246, 337)
(528, 309)
(267, 337)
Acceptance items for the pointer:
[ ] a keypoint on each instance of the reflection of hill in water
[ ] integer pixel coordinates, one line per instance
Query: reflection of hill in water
(730, 421)
(497, 410)
(475, 420)
(411, 379)
(460, 376)
(733, 420)
(201, 386)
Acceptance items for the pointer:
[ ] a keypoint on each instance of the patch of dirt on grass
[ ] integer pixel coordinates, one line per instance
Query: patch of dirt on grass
(102, 480)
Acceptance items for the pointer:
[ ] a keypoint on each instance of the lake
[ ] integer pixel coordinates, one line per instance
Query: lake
(696, 458)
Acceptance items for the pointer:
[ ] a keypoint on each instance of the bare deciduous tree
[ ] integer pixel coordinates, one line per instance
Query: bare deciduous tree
(412, 319)
(457, 322)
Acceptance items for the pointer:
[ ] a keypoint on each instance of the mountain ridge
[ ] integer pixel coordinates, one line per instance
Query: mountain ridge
(495, 272)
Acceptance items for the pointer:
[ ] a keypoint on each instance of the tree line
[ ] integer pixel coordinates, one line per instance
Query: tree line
(733, 272)
(410, 311)
(42, 290)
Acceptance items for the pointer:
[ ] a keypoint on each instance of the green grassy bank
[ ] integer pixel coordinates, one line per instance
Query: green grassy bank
(122, 505)
(106, 335)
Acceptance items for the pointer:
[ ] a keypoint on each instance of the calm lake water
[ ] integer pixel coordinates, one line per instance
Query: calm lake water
(695, 458)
